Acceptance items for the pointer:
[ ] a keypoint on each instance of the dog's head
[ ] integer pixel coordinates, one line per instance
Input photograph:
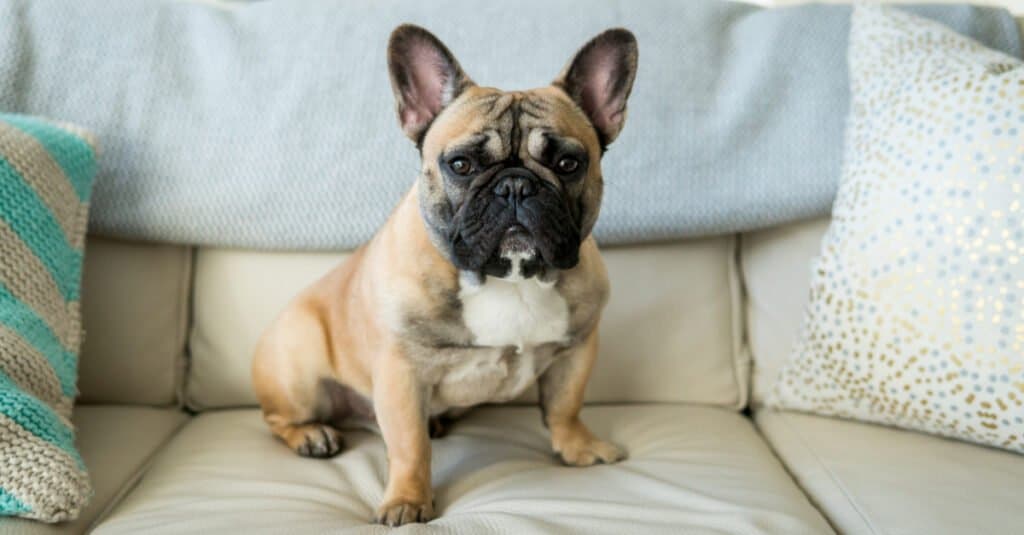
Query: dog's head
(511, 180)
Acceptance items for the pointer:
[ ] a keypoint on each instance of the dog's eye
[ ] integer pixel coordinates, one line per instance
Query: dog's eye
(460, 166)
(568, 165)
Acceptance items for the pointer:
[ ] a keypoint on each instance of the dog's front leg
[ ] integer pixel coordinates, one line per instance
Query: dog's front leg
(561, 398)
(400, 403)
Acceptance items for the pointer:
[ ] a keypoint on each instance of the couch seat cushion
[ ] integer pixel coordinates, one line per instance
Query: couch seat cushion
(691, 469)
(873, 479)
(116, 443)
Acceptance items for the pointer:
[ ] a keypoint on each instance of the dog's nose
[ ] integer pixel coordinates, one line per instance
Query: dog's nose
(515, 188)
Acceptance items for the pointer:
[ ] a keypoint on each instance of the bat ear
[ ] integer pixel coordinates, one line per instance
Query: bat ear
(600, 77)
(425, 77)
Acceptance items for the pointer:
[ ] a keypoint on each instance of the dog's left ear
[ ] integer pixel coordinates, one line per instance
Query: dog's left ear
(425, 77)
(600, 77)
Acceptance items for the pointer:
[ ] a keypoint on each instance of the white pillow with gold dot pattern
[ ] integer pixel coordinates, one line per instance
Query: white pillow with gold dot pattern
(916, 314)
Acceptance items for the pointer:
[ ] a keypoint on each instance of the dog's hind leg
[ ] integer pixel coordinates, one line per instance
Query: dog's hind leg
(290, 363)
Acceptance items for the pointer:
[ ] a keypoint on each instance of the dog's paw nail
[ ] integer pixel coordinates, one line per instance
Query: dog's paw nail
(318, 441)
(401, 513)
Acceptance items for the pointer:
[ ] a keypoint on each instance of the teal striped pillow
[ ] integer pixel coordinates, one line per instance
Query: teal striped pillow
(46, 175)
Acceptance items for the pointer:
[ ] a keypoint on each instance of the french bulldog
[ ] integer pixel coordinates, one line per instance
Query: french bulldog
(484, 281)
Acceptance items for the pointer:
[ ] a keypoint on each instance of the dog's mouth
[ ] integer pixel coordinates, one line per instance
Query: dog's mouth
(517, 255)
(517, 241)
(502, 236)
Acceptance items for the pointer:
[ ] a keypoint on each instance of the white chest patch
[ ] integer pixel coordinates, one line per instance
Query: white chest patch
(520, 313)
(500, 313)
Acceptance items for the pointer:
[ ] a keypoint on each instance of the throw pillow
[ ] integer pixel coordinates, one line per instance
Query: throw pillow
(46, 174)
(916, 314)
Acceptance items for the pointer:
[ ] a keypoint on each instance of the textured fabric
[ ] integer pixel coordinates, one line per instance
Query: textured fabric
(663, 338)
(1015, 6)
(690, 470)
(46, 173)
(116, 443)
(135, 301)
(870, 479)
(915, 317)
(272, 125)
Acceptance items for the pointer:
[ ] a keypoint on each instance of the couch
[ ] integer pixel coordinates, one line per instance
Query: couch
(693, 337)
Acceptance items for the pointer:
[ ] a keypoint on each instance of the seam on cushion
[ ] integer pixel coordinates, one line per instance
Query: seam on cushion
(737, 328)
(794, 432)
(133, 480)
(182, 334)
(191, 394)
(748, 304)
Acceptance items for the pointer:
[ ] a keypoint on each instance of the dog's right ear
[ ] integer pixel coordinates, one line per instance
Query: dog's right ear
(600, 77)
(425, 77)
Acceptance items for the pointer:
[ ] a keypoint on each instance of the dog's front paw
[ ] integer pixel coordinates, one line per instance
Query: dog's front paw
(314, 440)
(591, 452)
(577, 447)
(400, 512)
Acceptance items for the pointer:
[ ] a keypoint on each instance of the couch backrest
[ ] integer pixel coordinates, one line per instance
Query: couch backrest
(135, 316)
(776, 268)
(670, 333)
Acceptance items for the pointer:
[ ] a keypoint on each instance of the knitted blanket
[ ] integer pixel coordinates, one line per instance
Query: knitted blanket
(271, 124)
(46, 175)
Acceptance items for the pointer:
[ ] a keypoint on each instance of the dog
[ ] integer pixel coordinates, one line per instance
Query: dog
(484, 280)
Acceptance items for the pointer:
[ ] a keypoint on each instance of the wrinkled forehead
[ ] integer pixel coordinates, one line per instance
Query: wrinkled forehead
(498, 123)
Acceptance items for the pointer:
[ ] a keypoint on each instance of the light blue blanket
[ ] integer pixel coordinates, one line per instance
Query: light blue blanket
(271, 124)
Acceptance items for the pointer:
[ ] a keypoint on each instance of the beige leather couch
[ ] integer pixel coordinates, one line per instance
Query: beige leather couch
(694, 334)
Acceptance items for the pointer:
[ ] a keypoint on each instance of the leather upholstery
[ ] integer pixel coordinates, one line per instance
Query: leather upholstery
(691, 469)
(134, 313)
(872, 479)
